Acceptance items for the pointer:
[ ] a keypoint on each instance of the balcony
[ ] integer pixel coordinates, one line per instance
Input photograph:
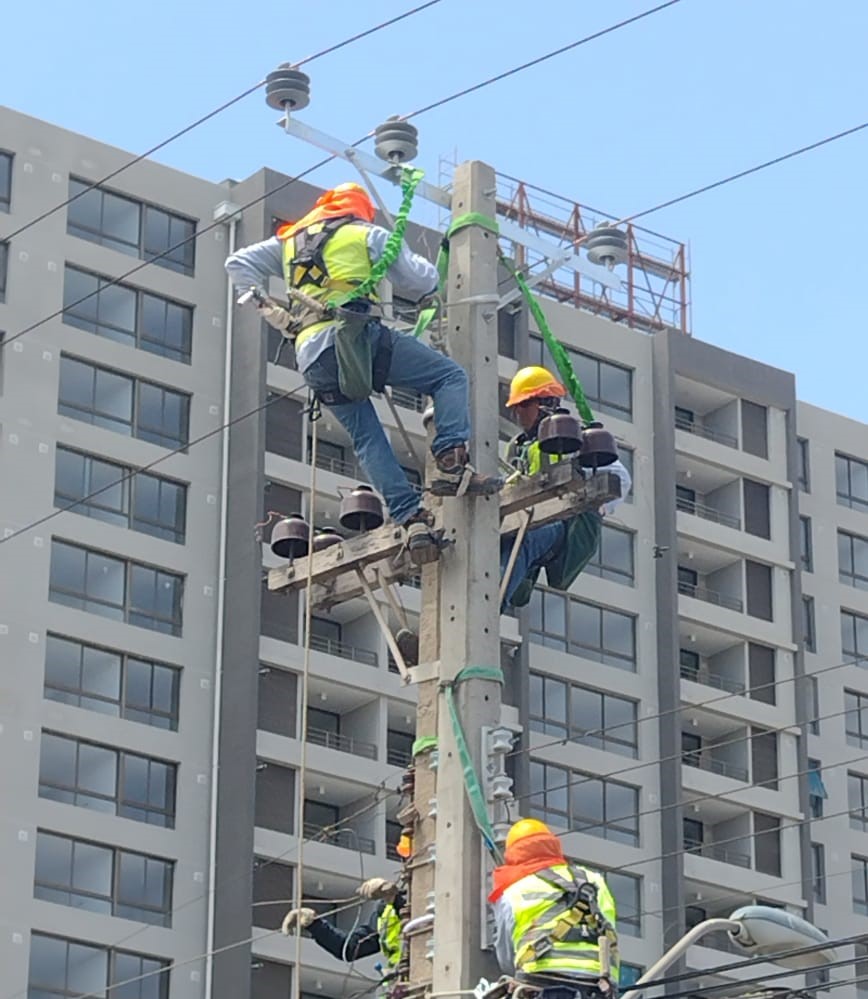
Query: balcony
(342, 743)
(711, 679)
(398, 757)
(705, 761)
(710, 596)
(698, 509)
(713, 852)
(336, 648)
(695, 426)
(409, 400)
(339, 466)
(345, 838)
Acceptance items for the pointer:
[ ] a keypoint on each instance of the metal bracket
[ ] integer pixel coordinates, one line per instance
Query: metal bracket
(384, 625)
(425, 671)
(526, 518)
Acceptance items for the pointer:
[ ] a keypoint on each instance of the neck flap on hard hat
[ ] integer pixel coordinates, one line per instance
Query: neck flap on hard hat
(345, 199)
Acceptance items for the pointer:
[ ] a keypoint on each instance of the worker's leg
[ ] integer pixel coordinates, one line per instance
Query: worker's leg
(418, 367)
(538, 544)
(370, 443)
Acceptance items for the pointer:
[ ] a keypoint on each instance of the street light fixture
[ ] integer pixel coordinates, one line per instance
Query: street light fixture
(761, 931)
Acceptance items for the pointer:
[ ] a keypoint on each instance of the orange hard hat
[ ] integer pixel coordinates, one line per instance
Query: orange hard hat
(534, 382)
(345, 199)
(525, 828)
(404, 847)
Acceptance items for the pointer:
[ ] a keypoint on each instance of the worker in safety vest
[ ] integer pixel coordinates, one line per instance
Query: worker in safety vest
(345, 352)
(554, 919)
(565, 547)
(380, 934)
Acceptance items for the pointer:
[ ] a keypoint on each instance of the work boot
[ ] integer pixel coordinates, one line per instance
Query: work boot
(421, 543)
(456, 476)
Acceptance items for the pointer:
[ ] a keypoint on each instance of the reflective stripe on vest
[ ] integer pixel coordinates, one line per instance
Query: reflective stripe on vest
(389, 931)
(537, 902)
(530, 458)
(347, 262)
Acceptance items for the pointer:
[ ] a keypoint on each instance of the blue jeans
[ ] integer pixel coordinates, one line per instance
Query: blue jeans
(414, 366)
(538, 544)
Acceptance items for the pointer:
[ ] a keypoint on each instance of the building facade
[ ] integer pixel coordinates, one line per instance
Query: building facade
(688, 720)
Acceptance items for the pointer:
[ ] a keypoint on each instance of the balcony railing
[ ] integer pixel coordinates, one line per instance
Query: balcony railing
(701, 430)
(707, 513)
(408, 399)
(722, 853)
(710, 679)
(343, 743)
(398, 757)
(340, 467)
(335, 648)
(703, 761)
(346, 838)
(710, 596)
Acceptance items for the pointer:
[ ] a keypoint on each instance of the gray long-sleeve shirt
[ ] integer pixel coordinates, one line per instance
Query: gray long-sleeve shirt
(412, 276)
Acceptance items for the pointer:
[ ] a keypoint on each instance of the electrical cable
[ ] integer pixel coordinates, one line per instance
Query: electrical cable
(291, 180)
(667, 759)
(207, 117)
(774, 684)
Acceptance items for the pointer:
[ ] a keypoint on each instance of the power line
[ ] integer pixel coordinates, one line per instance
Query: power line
(207, 117)
(774, 684)
(280, 187)
(540, 59)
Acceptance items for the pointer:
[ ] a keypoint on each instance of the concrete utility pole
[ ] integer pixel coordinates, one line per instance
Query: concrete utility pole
(466, 595)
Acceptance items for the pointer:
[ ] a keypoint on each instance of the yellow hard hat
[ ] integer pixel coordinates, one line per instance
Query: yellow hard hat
(534, 383)
(524, 828)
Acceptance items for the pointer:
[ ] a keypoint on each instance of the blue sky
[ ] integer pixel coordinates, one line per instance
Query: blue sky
(680, 99)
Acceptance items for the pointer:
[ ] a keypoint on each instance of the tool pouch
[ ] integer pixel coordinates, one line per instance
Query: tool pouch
(353, 351)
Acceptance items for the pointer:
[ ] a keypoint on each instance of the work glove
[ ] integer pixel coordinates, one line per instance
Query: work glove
(297, 918)
(275, 315)
(376, 888)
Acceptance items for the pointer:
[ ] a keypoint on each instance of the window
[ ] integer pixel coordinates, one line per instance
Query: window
(399, 747)
(685, 419)
(61, 967)
(124, 404)
(857, 800)
(860, 884)
(851, 482)
(129, 315)
(103, 879)
(4, 262)
(758, 582)
(583, 629)
(116, 588)
(608, 387)
(137, 229)
(809, 634)
(818, 872)
(583, 803)
(506, 322)
(283, 426)
(275, 797)
(627, 890)
(816, 788)
(767, 843)
(693, 832)
(761, 671)
(278, 697)
(119, 494)
(273, 883)
(804, 466)
(613, 558)
(5, 181)
(629, 975)
(691, 749)
(586, 716)
(764, 757)
(854, 635)
(814, 705)
(689, 663)
(853, 560)
(107, 780)
(685, 499)
(856, 718)
(754, 429)
(111, 682)
(806, 553)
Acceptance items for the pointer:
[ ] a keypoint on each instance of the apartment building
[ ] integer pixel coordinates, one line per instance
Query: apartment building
(686, 720)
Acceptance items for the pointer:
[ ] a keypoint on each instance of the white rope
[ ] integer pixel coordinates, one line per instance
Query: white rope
(296, 978)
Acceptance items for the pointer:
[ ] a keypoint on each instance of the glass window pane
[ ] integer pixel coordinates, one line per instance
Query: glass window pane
(68, 566)
(62, 662)
(101, 672)
(76, 383)
(120, 221)
(97, 769)
(114, 396)
(586, 713)
(87, 969)
(618, 633)
(57, 760)
(105, 578)
(47, 961)
(92, 869)
(86, 210)
(586, 804)
(53, 859)
(79, 297)
(584, 624)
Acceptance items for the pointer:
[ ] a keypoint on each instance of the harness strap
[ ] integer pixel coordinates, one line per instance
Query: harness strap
(308, 264)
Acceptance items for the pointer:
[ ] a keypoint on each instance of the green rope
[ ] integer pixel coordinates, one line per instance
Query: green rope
(471, 781)
(556, 348)
(410, 177)
(426, 316)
